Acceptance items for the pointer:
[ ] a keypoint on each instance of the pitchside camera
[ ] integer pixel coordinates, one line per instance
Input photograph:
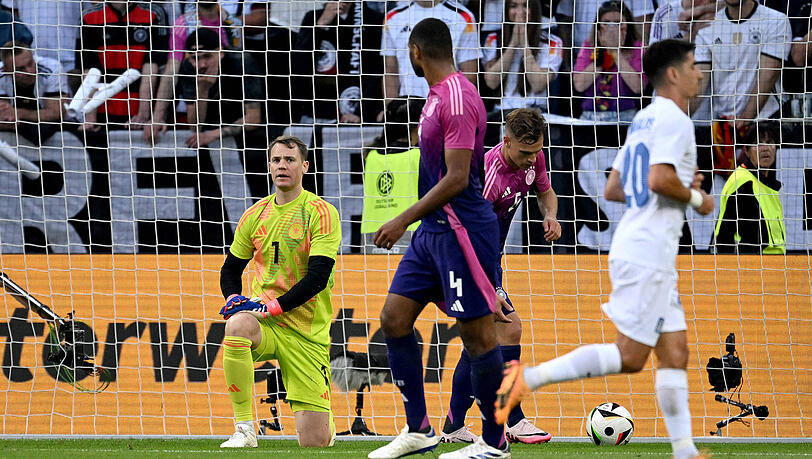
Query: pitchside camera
(725, 374)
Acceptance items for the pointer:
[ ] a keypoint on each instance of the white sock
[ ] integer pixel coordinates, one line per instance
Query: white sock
(246, 423)
(671, 386)
(584, 362)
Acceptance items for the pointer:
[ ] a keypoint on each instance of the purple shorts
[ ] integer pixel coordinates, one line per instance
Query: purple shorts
(435, 269)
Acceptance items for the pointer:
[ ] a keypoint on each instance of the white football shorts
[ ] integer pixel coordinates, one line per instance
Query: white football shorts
(644, 302)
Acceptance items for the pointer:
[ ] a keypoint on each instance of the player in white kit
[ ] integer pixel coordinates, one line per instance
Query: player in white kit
(655, 174)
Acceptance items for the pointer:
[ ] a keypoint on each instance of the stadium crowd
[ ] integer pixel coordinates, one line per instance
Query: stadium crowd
(229, 68)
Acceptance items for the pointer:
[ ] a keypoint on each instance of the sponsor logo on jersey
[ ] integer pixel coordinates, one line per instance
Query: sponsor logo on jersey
(262, 231)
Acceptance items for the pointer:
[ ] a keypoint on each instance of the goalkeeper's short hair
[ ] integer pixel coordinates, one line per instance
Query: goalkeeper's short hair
(291, 141)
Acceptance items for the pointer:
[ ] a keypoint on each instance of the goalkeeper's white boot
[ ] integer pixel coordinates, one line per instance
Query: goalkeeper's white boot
(407, 443)
(477, 450)
(244, 437)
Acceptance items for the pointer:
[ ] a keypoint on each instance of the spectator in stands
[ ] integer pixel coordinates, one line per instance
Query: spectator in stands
(744, 47)
(333, 46)
(682, 19)
(208, 14)
(523, 58)
(802, 53)
(266, 41)
(54, 25)
(609, 69)
(399, 77)
(117, 36)
(491, 13)
(256, 22)
(13, 30)
(224, 98)
(277, 43)
(30, 94)
(796, 78)
(236, 8)
(581, 14)
(751, 219)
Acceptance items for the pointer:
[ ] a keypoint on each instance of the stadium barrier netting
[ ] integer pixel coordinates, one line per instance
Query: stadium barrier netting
(129, 236)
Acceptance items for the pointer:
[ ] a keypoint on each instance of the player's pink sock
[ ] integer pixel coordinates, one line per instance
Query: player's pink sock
(584, 362)
(671, 387)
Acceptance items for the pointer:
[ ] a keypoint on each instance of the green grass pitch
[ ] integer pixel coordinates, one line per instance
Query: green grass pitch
(278, 449)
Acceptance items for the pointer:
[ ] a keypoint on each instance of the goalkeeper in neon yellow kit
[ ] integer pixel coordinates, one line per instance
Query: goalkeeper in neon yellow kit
(293, 237)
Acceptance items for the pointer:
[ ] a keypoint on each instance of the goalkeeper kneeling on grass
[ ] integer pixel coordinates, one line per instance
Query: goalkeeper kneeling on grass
(293, 237)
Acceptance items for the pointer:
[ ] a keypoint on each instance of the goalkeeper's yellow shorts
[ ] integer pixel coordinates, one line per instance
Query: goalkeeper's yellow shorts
(305, 366)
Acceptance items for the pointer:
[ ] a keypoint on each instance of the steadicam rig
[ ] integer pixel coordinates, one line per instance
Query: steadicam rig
(725, 375)
(70, 352)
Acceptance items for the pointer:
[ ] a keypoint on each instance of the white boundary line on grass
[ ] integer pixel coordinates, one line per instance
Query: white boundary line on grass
(382, 438)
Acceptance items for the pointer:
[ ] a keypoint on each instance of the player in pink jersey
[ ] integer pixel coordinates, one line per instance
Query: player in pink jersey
(453, 257)
(512, 169)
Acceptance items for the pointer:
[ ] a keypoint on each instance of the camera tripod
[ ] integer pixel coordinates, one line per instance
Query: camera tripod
(276, 392)
(761, 412)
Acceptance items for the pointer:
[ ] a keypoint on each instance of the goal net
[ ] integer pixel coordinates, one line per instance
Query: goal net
(117, 216)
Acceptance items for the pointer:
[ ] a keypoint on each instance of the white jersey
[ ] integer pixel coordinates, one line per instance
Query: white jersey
(649, 231)
(733, 49)
(398, 26)
(48, 84)
(666, 22)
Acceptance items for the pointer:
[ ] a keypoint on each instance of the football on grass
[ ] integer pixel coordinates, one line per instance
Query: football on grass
(609, 424)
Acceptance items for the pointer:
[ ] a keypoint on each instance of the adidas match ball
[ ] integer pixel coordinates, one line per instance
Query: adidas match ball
(609, 424)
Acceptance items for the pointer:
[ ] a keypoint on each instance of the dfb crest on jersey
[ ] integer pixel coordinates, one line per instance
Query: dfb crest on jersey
(530, 176)
(431, 106)
(755, 37)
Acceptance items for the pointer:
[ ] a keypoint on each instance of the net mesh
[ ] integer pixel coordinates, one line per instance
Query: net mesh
(121, 214)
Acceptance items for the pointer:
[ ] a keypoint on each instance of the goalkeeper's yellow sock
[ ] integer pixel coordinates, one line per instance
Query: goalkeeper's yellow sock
(239, 369)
